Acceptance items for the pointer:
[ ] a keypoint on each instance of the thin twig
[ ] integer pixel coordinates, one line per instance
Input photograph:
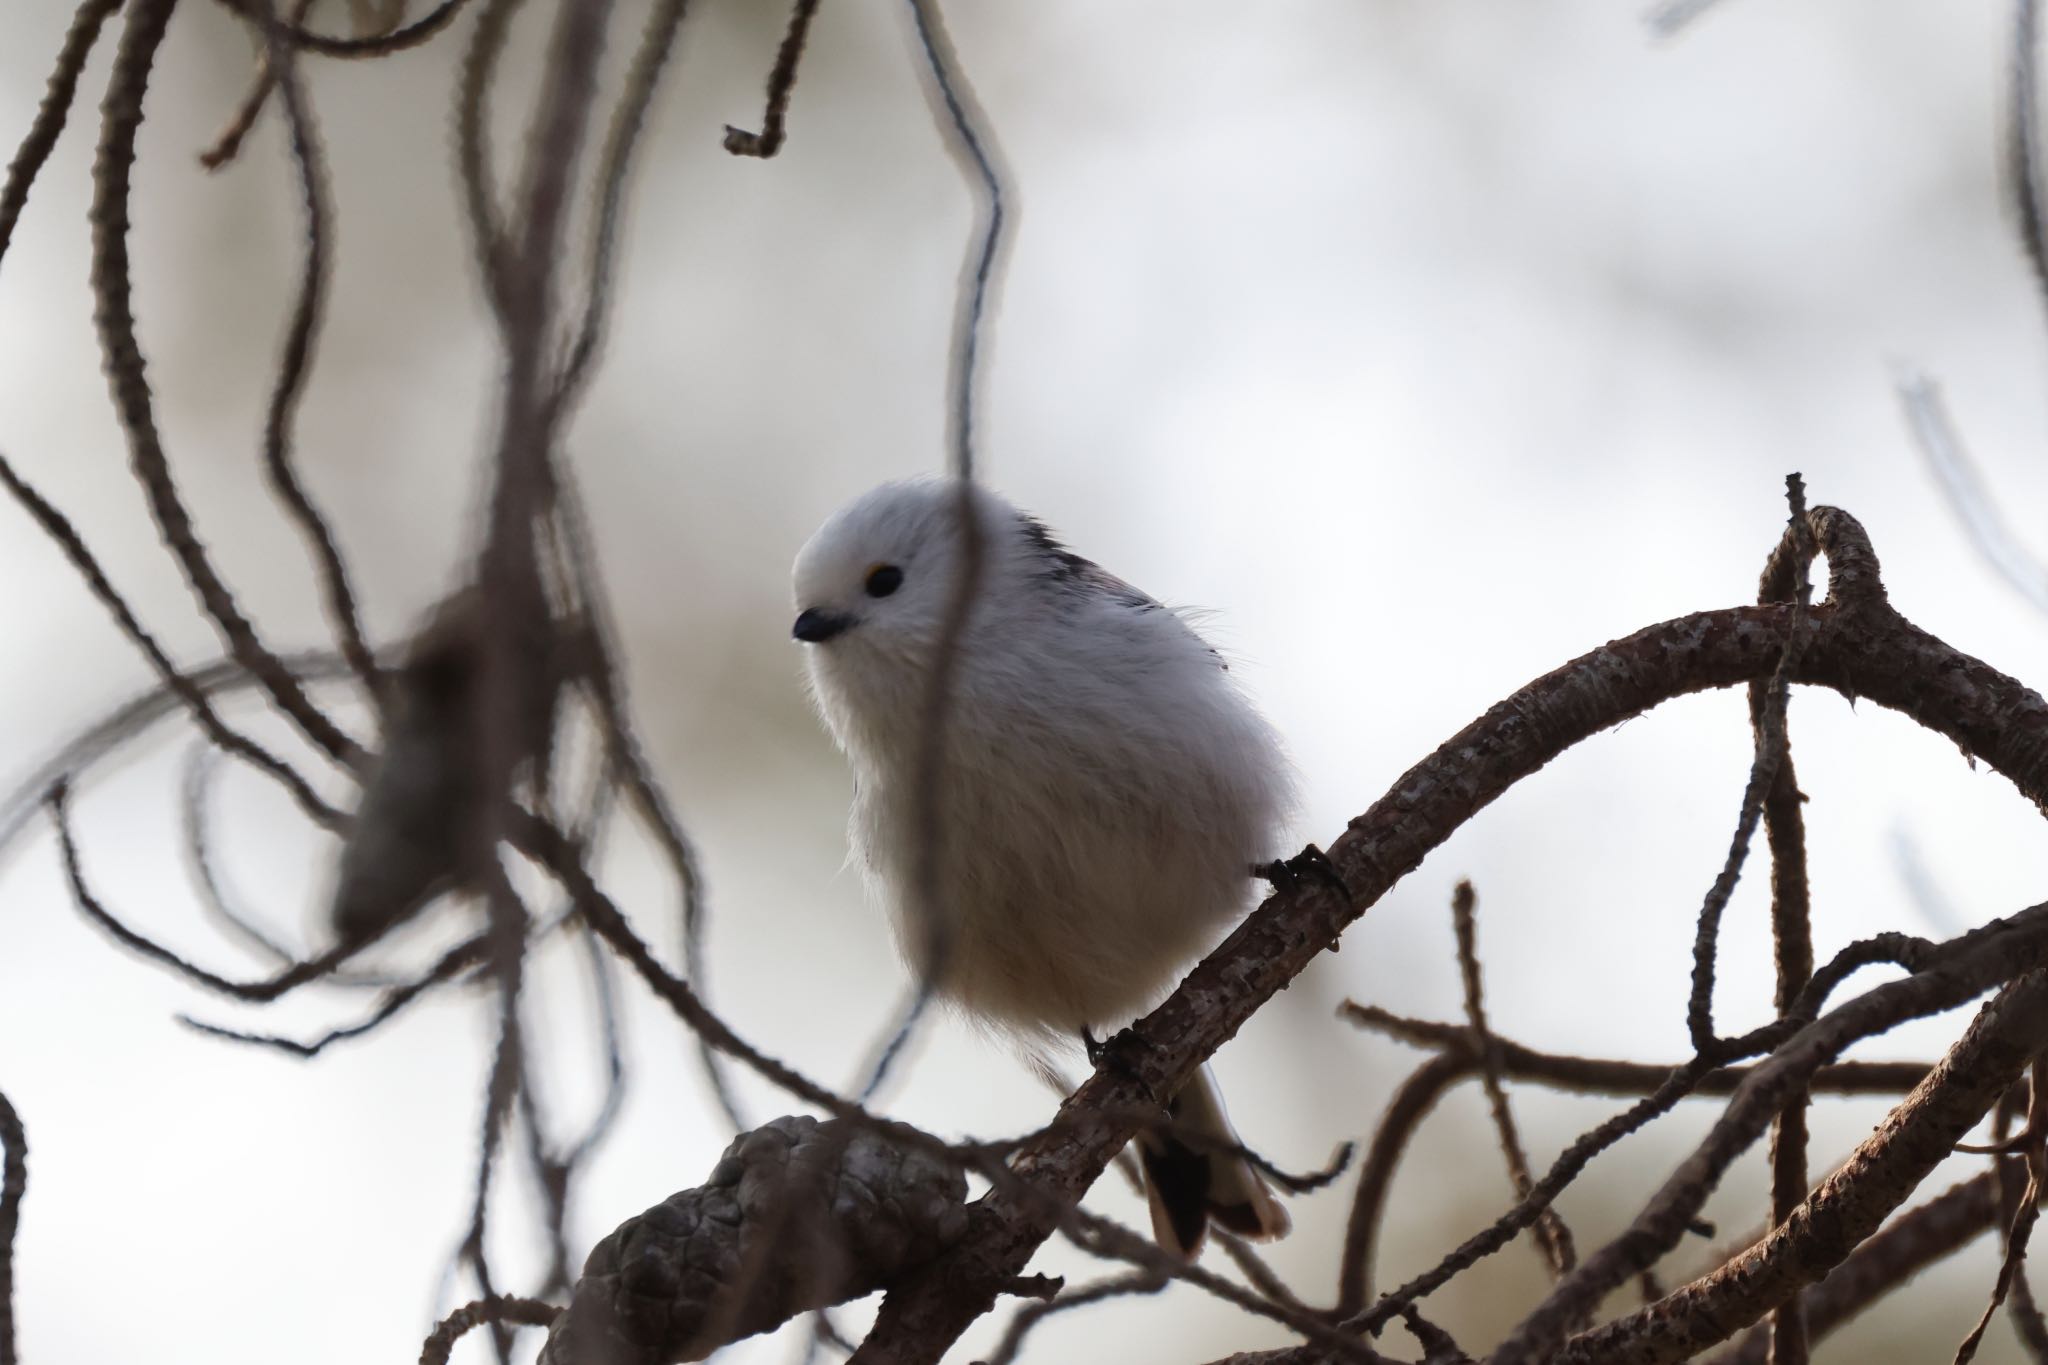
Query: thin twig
(881, 1061)
(198, 772)
(781, 84)
(524, 1312)
(113, 315)
(228, 142)
(13, 1185)
(969, 140)
(2014, 1177)
(2020, 1226)
(1026, 1319)
(377, 45)
(2022, 141)
(474, 82)
(605, 683)
(1609, 1076)
(450, 965)
(202, 761)
(295, 360)
(1258, 1272)
(507, 1078)
(1103, 1237)
(1553, 1238)
(552, 1177)
(188, 690)
(629, 119)
(1763, 774)
(1669, 17)
(1562, 1173)
(1934, 433)
(1405, 1110)
(292, 977)
(51, 112)
(114, 732)
(604, 989)
(1787, 577)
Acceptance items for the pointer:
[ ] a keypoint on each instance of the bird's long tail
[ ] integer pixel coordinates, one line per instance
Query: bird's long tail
(1192, 1181)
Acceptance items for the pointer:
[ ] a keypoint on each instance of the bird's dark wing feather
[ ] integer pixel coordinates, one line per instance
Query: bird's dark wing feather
(1062, 567)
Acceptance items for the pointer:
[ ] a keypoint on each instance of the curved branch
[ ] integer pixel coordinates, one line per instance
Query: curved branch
(295, 364)
(381, 45)
(1856, 645)
(1458, 1058)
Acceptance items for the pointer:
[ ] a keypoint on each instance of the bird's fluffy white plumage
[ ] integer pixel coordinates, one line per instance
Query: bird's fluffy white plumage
(1106, 789)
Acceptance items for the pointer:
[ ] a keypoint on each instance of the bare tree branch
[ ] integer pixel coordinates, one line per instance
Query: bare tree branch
(1786, 578)
(1856, 645)
(13, 1185)
(52, 112)
(1909, 1244)
(1553, 1239)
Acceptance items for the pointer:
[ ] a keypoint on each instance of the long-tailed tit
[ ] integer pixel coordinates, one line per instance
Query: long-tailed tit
(1105, 792)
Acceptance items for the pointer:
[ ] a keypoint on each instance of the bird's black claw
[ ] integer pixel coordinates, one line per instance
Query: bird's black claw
(1115, 1051)
(1310, 863)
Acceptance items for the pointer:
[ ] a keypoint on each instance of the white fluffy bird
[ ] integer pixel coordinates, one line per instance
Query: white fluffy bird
(1106, 792)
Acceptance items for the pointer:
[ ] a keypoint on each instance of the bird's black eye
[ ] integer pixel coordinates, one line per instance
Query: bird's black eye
(883, 579)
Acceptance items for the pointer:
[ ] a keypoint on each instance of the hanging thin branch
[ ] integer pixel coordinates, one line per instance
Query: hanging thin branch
(781, 85)
(114, 317)
(13, 1185)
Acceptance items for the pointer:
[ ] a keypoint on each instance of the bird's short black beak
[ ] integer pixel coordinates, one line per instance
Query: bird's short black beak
(816, 625)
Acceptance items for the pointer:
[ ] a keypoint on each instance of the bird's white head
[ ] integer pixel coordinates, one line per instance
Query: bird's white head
(879, 575)
(872, 589)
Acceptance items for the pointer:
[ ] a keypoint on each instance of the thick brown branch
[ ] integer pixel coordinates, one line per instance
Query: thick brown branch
(1912, 1242)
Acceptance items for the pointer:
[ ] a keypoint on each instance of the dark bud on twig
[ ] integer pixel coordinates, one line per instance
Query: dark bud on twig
(797, 1215)
(740, 142)
(413, 834)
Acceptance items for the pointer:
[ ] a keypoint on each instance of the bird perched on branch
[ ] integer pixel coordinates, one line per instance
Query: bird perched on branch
(1104, 792)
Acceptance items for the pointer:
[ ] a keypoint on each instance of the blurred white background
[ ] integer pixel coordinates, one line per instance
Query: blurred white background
(1425, 345)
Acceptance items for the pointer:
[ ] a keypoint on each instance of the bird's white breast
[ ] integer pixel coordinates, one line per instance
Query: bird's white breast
(1104, 794)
